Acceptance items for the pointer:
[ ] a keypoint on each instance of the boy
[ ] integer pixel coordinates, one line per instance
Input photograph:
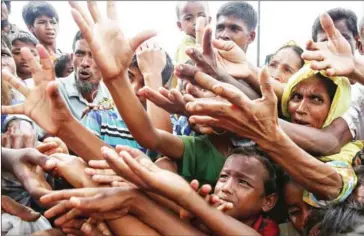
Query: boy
(63, 66)
(42, 20)
(187, 14)
(106, 123)
(18, 41)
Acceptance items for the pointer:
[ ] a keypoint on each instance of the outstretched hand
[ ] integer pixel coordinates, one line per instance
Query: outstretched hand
(334, 56)
(238, 114)
(43, 103)
(111, 50)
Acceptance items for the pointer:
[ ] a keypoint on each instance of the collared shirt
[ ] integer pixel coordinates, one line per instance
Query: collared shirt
(74, 99)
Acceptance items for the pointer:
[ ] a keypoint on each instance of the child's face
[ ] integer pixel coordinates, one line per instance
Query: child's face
(137, 81)
(68, 69)
(189, 12)
(45, 29)
(241, 182)
(298, 210)
(22, 69)
(7, 60)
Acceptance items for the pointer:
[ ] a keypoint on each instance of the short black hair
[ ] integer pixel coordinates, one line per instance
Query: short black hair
(337, 14)
(60, 64)
(77, 37)
(23, 36)
(166, 72)
(297, 49)
(34, 9)
(342, 218)
(241, 10)
(178, 5)
(270, 183)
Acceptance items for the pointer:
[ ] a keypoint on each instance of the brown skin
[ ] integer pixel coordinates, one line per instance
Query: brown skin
(234, 29)
(85, 67)
(309, 103)
(137, 82)
(341, 26)
(22, 68)
(188, 14)
(298, 210)
(46, 30)
(284, 64)
(7, 60)
(241, 182)
(360, 43)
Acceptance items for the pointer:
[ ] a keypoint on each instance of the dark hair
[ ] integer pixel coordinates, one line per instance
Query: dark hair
(8, 5)
(23, 36)
(178, 5)
(329, 84)
(297, 49)
(77, 37)
(241, 10)
(5, 42)
(342, 218)
(166, 72)
(34, 9)
(337, 14)
(60, 64)
(270, 183)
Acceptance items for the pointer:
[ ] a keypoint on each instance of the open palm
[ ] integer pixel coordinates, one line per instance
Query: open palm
(111, 50)
(43, 103)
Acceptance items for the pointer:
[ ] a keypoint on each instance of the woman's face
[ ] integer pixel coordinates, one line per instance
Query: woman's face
(309, 103)
(298, 210)
(284, 64)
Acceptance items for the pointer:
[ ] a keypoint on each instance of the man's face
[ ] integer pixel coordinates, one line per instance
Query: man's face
(22, 68)
(45, 29)
(189, 12)
(343, 29)
(234, 29)
(137, 81)
(87, 73)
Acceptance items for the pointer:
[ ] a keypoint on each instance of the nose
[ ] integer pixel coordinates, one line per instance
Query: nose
(302, 107)
(49, 25)
(86, 62)
(225, 35)
(227, 188)
(275, 74)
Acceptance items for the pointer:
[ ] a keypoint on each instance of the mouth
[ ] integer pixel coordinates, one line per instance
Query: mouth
(301, 122)
(24, 65)
(84, 75)
(50, 34)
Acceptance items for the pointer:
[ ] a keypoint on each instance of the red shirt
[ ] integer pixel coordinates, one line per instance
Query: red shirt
(266, 227)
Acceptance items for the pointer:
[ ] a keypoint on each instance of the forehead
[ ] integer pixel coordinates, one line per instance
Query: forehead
(191, 7)
(82, 45)
(231, 20)
(341, 26)
(287, 56)
(44, 17)
(240, 164)
(293, 194)
(312, 84)
(20, 44)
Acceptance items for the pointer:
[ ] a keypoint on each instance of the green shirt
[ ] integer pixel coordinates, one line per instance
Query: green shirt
(201, 160)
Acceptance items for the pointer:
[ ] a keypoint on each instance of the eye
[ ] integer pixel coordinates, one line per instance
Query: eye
(234, 29)
(296, 97)
(243, 182)
(17, 52)
(53, 22)
(219, 28)
(287, 70)
(188, 18)
(223, 177)
(294, 212)
(273, 65)
(317, 100)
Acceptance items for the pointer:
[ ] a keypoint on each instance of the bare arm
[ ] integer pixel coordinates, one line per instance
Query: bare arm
(358, 73)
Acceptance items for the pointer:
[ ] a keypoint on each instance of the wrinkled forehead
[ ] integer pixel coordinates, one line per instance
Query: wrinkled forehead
(239, 164)
(82, 45)
(231, 20)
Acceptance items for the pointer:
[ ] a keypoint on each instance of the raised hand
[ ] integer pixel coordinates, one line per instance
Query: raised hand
(43, 103)
(101, 173)
(335, 56)
(151, 58)
(52, 145)
(141, 171)
(111, 50)
(255, 119)
(23, 136)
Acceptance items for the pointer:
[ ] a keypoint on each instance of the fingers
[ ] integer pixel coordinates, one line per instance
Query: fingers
(176, 96)
(107, 172)
(13, 208)
(44, 147)
(98, 164)
(200, 24)
(328, 26)
(111, 10)
(55, 97)
(140, 38)
(186, 72)
(104, 179)
(223, 45)
(42, 160)
(313, 55)
(31, 61)
(197, 57)
(45, 60)
(14, 109)
(320, 65)
(82, 24)
(204, 120)
(14, 82)
(68, 217)
(68, 193)
(204, 190)
(82, 12)
(312, 46)
(266, 87)
(58, 209)
(94, 11)
(195, 184)
(206, 43)
(194, 91)
(227, 206)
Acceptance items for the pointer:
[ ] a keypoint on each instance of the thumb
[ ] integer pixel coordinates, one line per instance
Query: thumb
(42, 160)
(223, 45)
(54, 95)
(140, 38)
(266, 86)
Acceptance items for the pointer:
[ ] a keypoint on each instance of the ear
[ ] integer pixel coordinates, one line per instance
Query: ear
(269, 202)
(360, 46)
(179, 25)
(252, 35)
(31, 28)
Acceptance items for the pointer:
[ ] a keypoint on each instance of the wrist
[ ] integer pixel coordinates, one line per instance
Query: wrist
(135, 204)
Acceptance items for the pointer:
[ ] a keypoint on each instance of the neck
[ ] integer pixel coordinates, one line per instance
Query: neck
(90, 96)
(24, 76)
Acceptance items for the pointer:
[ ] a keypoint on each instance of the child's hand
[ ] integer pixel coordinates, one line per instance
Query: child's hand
(95, 228)
(151, 58)
(137, 168)
(102, 173)
(172, 101)
(52, 145)
(111, 51)
(72, 169)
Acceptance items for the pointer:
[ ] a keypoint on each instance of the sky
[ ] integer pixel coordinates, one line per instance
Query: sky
(280, 22)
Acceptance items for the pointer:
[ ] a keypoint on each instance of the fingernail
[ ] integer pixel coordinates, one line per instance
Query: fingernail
(190, 50)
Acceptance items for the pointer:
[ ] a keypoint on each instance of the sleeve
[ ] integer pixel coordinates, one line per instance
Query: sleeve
(187, 164)
(349, 181)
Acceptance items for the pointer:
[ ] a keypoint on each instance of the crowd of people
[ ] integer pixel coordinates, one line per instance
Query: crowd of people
(118, 138)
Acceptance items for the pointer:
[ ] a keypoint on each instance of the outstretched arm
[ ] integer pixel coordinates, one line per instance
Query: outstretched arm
(113, 54)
